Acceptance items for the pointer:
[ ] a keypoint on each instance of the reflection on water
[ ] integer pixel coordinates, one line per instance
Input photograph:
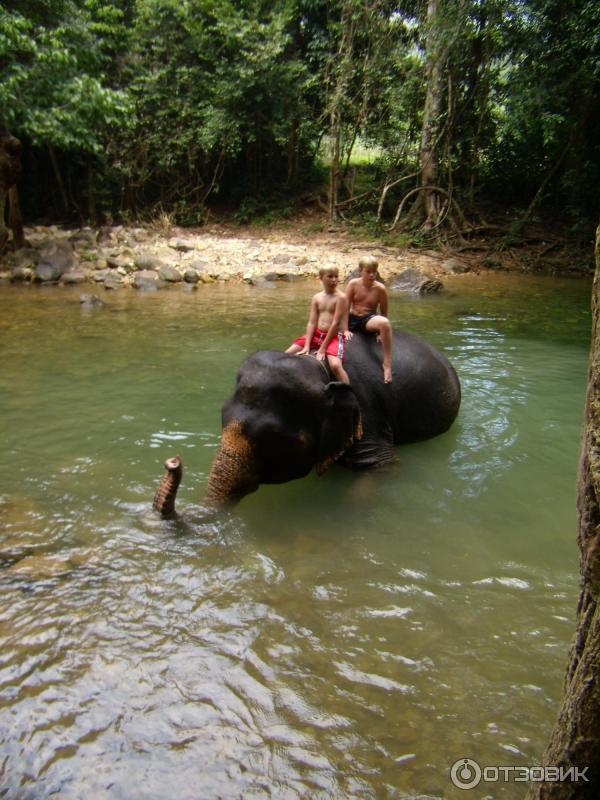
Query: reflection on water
(348, 636)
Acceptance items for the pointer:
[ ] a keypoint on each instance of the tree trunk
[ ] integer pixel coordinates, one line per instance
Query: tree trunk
(10, 170)
(342, 74)
(334, 169)
(59, 179)
(91, 191)
(431, 116)
(575, 740)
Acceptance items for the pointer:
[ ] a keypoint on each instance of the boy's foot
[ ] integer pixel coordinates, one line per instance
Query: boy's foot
(387, 374)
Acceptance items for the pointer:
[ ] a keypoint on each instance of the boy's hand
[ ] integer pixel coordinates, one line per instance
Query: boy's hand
(348, 335)
(303, 352)
(321, 354)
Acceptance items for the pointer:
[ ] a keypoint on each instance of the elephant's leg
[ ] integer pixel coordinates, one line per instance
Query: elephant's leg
(164, 499)
(15, 220)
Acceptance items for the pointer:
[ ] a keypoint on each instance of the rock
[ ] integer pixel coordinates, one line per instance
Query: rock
(90, 301)
(114, 280)
(26, 257)
(282, 276)
(138, 234)
(431, 286)
(146, 280)
(282, 258)
(107, 235)
(190, 276)
(411, 280)
(148, 262)
(455, 266)
(123, 262)
(100, 275)
(85, 237)
(59, 256)
(169, 274)
(47, 273)
(183, 245)
(75, 276)
(22, 274)
(45, 567)
(199, 265)
(261, 283)
(205, 277)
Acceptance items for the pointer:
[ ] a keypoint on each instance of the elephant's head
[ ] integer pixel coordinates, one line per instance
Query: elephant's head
(284, 418)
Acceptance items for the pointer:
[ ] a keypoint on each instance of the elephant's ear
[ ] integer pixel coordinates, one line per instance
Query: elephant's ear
(341, 424)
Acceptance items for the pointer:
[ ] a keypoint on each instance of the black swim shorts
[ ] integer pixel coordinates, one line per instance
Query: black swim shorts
(357, 324)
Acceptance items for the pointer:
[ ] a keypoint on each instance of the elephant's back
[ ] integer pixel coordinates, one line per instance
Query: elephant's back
(424, 397)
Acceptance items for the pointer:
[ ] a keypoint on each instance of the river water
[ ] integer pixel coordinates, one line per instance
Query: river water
(335, 637)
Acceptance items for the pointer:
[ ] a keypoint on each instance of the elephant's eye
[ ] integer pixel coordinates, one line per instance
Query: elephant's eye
(303, 439)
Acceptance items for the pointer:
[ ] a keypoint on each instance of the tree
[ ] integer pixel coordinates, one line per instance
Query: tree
(10, 169)
(575, 740)
(58, 90)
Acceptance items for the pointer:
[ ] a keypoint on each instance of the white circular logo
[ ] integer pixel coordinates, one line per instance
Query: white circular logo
(465, 773)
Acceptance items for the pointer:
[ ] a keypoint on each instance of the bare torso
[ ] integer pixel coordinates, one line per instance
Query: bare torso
(364, 300)
(327, 304)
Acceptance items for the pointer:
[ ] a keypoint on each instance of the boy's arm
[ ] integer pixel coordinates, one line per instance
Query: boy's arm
(350, 293)
(341, 309)
(344, 319)
(310, 326)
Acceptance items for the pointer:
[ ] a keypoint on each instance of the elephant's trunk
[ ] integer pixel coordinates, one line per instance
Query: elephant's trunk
(164, 499)
(234, 473)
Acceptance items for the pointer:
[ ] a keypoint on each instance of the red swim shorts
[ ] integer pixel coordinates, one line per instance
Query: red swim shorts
(334, 348)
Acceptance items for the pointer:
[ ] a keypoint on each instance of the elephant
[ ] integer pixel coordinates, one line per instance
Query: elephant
(286, 416)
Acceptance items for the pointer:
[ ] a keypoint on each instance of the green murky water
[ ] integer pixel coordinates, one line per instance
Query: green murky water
(343, 636)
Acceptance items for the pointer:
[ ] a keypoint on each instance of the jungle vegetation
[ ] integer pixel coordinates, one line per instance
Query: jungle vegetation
(474, 114)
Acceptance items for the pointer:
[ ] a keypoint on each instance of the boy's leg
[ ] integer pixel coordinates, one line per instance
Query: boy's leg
(337, 369)
(383, 327)
(293, 348)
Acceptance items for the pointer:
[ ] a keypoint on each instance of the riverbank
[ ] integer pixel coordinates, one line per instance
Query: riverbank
(154, 256)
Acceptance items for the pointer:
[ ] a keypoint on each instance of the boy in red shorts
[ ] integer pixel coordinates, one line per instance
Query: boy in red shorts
(328, 312)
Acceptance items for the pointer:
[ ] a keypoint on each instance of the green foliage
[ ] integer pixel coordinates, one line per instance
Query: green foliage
(56, 88)
(179, 104)
(263, 210)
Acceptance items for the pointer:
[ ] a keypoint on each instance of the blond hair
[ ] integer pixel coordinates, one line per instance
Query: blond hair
(325, 270)
(368, 262)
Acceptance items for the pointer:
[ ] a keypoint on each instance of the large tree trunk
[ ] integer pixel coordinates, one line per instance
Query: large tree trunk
(10, 169)
(575, 740)
(341, 73)
(431, 117)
